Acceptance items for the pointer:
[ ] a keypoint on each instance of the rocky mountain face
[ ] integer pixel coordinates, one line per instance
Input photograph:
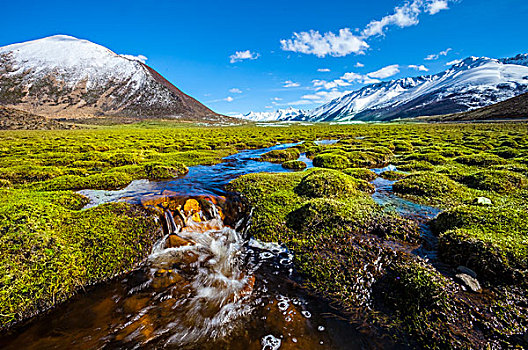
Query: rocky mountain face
(13, 119)
(62, 76)
(515, 108)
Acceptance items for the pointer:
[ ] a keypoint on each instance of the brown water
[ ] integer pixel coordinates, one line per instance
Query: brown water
(205, 285)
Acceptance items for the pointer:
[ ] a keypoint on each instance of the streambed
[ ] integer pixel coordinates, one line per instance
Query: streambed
(218, 289)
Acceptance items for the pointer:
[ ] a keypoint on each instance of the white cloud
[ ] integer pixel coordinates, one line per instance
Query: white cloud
(345, 42)
(229, 99)
(324, 96)
(436, 56)
(437, 6)
(420, 68)
(314, 43)
(404, 16)
(323, 70)
(453, 62)
(289, 84)
(360, 78)
(385, 72)
(372, 77)
(276, 99)
(268, 107)
(235, 91)
(243, 55)
(323, 84)
(139, 58)
(297, 103)
(359, 65)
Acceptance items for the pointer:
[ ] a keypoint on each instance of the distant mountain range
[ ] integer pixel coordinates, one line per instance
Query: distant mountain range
(278, 115)
(470, 84)
(514, 108)
(62, 76)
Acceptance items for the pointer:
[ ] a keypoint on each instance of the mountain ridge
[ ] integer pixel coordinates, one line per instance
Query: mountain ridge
(472, 83)
(62, 76)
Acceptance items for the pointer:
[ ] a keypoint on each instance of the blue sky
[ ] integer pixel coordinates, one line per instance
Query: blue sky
(241, 56)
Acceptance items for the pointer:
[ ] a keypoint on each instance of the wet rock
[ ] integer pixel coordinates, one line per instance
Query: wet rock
(469, 282)
(467, 271)
(175, 241)
(165, 278)
(482, 201)
(135, 303)
(191, 206)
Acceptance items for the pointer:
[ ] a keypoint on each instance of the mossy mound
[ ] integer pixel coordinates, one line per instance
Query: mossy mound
(415, 165)
(393, 175)
(491, 240)
(431, 187)
(480, 159)
(280, 155)
(156, 171)
(403, 146)
(501, 181)
(358, 215)
(361, 173)
(433, 158)
(331, 161)
(109, 181)
(331, 183)
(414, 286)
(50, 252)
(294, 164)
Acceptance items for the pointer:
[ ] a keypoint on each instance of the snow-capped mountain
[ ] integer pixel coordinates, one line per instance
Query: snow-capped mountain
(68, 77)
(473, 83)
(278, 115)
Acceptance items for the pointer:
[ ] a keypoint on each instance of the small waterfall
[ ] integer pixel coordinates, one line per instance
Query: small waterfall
(195, 271)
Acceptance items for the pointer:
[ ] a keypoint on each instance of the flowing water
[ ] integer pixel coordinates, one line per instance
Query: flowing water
(206, 284)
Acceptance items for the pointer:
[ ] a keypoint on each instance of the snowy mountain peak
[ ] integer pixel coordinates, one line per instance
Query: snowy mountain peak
(65, 76)
(469, 84)
(75, 59)
(472, 83)
(287, 114)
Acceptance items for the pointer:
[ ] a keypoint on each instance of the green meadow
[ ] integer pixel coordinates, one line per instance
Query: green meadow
(348, 248)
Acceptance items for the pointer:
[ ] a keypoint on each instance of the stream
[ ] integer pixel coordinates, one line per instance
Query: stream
(206, 284)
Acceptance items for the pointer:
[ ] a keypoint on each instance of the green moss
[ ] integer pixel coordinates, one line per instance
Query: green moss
(480, 159)
(361, 173)
(415, 286)
(501, 181)
(490, 240)
(161, 171)
(49, 252)
(294, 164)
(403, 146)
(279, 156)
(416, 166)
(433, 158)
(392, 175)
(431, 188)
(27, 174)
(331, 161)
(96, 182)
(331, 183)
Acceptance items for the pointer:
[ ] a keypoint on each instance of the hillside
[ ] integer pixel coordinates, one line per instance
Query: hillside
(62, 76)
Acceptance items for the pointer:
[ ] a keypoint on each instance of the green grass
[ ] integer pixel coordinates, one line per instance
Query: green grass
(344, 243)
(50, 249)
